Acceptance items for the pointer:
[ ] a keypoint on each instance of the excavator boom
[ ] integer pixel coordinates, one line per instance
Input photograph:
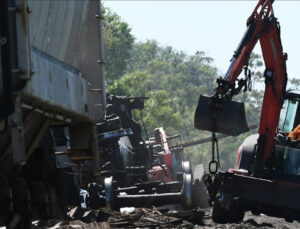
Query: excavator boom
(261, 26)
(266, 175)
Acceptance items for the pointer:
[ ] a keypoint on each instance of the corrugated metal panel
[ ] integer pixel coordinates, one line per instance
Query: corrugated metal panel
(91, 59)
(56, 87)
(57, 27)
(70, 32)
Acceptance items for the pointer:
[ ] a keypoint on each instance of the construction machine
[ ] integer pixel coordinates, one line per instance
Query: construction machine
(266, 176)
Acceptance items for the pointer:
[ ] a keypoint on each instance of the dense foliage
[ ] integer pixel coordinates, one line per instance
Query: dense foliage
(118, 42)
(173, 82)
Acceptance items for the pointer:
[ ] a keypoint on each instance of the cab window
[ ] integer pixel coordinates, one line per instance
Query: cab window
(287, 116)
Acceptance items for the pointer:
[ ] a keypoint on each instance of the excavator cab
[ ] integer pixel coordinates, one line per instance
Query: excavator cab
(286, 151)
(290, 113)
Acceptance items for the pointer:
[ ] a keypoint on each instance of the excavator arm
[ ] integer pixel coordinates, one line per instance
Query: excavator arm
(262, 26)
(257, 24)
(269, 185)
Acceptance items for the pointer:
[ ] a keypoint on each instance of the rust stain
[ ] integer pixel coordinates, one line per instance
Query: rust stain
(24, 9)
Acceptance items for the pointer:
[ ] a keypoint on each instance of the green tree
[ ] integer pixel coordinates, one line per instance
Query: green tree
(118, 42)
(160, 113)
(295, 83)
(173, 82)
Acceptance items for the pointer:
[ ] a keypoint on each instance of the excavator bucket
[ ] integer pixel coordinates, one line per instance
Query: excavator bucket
(226, 117)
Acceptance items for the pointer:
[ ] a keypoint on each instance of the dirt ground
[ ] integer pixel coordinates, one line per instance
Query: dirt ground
(152, 218)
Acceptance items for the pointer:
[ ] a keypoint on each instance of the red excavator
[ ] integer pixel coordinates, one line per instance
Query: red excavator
(266, 177)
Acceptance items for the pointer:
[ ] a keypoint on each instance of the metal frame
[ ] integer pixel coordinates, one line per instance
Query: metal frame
(272, 197)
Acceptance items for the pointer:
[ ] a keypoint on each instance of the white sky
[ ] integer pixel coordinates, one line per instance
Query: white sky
(215, 27)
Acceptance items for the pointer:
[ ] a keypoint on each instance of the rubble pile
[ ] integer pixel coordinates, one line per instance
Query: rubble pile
(140, 218)
(153, 218)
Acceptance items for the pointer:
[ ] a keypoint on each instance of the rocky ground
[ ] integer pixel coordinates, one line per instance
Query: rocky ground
(153, 218)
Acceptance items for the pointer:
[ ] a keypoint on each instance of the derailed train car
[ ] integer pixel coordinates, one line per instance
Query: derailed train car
(51, 77)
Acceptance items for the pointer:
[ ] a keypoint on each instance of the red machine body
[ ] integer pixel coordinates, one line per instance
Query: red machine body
(162, 169)
(266, 176)
(166, 163)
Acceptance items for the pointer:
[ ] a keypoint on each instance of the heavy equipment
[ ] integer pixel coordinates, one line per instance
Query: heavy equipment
(266, 174)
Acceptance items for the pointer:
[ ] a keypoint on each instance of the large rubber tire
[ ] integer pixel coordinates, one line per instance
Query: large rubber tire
(234, 214)
(237, 213)
(219, 214)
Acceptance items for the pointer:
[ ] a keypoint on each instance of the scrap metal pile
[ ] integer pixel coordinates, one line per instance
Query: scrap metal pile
(137, 172)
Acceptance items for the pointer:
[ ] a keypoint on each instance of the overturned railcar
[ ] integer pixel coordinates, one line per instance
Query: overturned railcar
(51, 75)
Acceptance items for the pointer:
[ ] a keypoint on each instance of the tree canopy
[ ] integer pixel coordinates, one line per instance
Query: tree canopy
(118, 42)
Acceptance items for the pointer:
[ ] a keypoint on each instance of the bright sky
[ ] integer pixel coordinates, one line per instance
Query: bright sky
(215, 27)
